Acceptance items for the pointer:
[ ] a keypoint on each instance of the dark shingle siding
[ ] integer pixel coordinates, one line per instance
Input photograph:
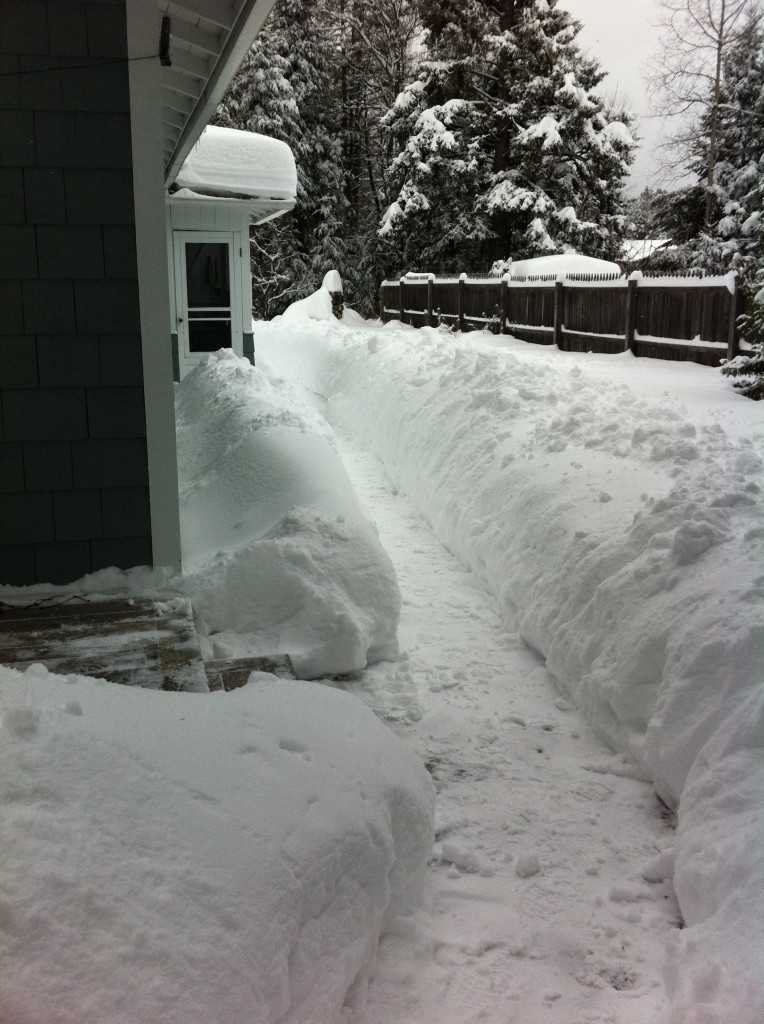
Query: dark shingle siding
(18, 361)
(44, 198)
(78, 514)
(110, 463)
(11, 195)
(70, 251)
(74, 478)
(11, 467)
(47, 465)
(42, 413)
(62, 562)
(68, 360)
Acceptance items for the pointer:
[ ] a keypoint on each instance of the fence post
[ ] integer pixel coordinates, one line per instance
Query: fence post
(400, 300)
(430, 292)
(733, 338)
(631, 309)
(460, 302)
(504, 303)
(559, 300)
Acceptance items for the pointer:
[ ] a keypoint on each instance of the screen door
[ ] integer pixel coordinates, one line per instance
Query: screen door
(205, 312)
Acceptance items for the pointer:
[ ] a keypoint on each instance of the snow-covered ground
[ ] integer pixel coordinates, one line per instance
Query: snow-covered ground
(537, 904)
(613, 508)
(576, 540)
(210, 858)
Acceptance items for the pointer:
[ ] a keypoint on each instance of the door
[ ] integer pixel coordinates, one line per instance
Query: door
(206, 294)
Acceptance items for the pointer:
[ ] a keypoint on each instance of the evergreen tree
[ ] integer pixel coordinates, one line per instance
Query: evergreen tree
(504, 147)
(748, 370)
(280, 90)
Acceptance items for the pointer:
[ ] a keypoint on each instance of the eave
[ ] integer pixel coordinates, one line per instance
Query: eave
(208, 41)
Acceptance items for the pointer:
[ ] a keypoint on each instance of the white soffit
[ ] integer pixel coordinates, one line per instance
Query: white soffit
(259, 210)
(208, 41)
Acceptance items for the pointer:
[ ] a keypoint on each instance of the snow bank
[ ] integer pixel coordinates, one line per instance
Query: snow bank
(317, 306)
(277, 555)
(621, 532)
(227, 161)
(219, 858)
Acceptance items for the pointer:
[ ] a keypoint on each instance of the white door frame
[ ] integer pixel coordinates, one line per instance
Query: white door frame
(188, 359)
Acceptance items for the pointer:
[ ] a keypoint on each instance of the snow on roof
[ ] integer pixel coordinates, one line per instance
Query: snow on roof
(567, 263)
(227, 161)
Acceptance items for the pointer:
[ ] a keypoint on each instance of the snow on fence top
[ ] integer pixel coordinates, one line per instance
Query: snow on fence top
(230, 162)
(608, 279)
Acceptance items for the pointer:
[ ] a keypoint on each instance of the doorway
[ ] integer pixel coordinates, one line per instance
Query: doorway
(207, 299)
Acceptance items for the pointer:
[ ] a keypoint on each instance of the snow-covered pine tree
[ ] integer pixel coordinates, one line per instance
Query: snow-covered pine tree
(281, 90)
(505, 148)
(748, 370)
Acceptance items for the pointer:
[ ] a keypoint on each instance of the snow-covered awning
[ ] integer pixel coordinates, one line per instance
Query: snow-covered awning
(234, 163)
(230, 164)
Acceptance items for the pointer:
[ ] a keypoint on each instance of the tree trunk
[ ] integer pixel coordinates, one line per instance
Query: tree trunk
(714, 127)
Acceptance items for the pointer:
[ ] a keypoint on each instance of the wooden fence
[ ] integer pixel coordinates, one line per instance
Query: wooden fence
(687, 318)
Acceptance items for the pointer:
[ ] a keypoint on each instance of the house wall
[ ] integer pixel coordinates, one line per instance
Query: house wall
(74, 492)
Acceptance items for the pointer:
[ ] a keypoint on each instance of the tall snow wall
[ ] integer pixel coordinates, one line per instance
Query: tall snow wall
(620, 537)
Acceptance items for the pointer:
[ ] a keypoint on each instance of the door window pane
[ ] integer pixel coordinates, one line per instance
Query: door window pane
(207, 275)
(209, 335)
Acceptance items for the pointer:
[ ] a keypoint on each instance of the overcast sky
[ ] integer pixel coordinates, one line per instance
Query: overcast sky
(622, 35)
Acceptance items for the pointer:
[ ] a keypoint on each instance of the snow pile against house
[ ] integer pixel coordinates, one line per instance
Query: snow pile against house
(614, 509)
(278, 557)
(226, 161)
(182, 857)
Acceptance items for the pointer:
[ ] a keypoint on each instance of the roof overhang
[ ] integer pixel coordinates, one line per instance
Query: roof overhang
(208, 41)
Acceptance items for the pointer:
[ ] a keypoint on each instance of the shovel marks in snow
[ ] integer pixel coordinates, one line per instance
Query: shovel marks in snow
(531, 844)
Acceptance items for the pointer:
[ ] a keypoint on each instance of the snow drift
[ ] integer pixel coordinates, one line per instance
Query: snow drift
(278, 557)
(621, 534)
(221, 858)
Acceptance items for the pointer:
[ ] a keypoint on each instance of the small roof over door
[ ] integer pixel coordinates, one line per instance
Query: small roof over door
(229, 164)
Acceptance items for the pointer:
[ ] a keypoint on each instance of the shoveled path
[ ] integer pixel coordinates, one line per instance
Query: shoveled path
(539, 908)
